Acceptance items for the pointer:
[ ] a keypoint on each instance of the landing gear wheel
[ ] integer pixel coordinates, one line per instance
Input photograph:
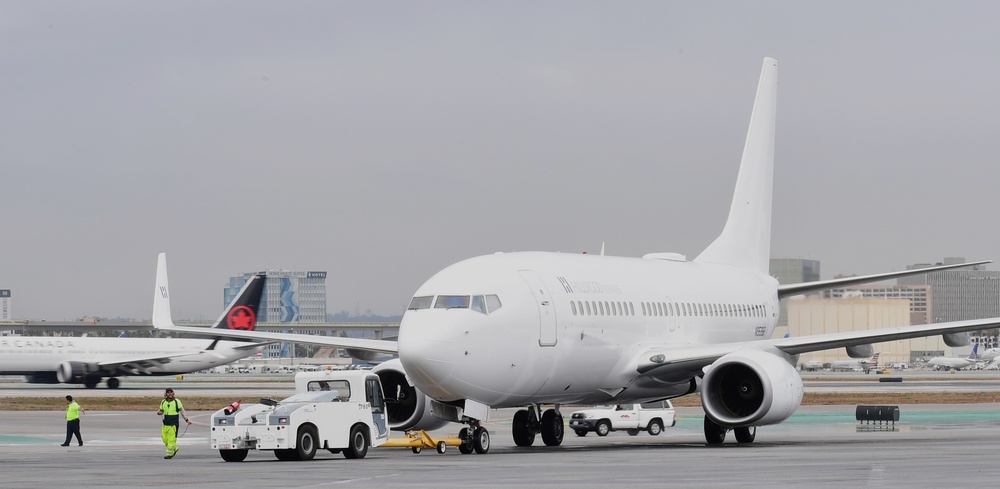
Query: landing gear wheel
(481, 440)
(466, 447)
(603, 428)
(745, 434)
(580, 432)
(522, 431)
(552, 428)
(442, 447)
(357, 444)
(233, 455)
(655, 427)
(714, 434)
(305, 443)
(113, 383)
(286, 455)
(91, 381)
(415, 450)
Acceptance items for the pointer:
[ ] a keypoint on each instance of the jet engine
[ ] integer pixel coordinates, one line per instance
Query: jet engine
(406, 407)
(750, 388)
(72, 372)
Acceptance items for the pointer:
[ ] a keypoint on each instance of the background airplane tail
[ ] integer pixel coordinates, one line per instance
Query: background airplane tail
(746, 239)
(161, 295)
(242, 312)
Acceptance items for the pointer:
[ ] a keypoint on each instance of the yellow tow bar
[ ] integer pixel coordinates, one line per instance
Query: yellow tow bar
(419, 439)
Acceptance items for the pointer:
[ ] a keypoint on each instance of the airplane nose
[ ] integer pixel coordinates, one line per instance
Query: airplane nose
(427, 351)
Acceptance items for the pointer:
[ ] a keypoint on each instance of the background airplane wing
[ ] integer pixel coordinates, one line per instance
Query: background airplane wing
(138, 365)
(804, 287)
(335, 341)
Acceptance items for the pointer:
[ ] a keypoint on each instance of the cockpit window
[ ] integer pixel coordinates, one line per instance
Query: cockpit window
(478, 304)
(452, 302)
(423, 302)
(492, 303)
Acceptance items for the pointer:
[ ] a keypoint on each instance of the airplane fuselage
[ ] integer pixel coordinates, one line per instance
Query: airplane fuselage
(39, 355)
(569, 328)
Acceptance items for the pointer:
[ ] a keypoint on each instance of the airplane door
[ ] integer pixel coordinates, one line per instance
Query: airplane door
(546, 311)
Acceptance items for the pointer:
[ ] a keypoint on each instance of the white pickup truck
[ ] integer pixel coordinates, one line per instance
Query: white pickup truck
(633, 418)
(331, 410)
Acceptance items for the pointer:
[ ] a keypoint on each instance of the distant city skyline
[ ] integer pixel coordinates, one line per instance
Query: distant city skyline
(382, 143)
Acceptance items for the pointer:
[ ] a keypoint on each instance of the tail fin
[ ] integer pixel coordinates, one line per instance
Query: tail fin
(975, 352)
(746, 239)
(242, 313)
(874, 361)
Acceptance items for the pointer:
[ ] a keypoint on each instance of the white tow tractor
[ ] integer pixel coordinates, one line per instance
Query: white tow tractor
(331, 410)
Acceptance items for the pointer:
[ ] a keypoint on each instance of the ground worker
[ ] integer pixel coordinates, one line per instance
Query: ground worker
(73, 411)
(171, 409)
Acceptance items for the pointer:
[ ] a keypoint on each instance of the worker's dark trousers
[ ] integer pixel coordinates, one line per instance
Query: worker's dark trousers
(73, 428)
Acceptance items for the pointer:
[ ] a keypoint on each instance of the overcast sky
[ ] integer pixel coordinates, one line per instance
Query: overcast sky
(383, 141)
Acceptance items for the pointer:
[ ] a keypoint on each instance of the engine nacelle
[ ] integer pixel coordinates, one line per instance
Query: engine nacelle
(406, 407)
(73, 372)
(750, 388)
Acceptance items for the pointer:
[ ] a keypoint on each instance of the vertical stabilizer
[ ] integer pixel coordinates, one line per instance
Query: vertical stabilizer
(746, 239)
(242, 313)
(161, 296)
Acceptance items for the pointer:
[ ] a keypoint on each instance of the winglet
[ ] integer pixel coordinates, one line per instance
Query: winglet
(746, 239)
(161, 295)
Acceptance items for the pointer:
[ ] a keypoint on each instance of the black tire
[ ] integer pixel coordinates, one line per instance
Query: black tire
(234, 455)
(306, 442)
(286, 455)
(714, 434)
(415, 450)
(466, 447)
(113, 383)
(481, 440)
(521, 431)
(442, 447)
(655, 427)
(745, 434)
(357, 444)
(603, 427)
(552, 428)
(581, 432)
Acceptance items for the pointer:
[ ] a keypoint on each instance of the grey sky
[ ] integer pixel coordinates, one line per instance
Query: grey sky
(383, 141)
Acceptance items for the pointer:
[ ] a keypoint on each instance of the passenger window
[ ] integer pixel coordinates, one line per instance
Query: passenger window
(492, 303)
(572, 306)
(479, 304)
(631, 309)
(452, 302)
(422, 302)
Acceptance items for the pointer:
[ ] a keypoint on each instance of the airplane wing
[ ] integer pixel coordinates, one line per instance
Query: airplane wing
(138, 365)
(335, 341)
(804, 287)
(687, 359)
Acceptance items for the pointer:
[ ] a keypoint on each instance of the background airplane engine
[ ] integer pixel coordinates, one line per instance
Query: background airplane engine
(73, 372)
(750, 388)
(406, 407)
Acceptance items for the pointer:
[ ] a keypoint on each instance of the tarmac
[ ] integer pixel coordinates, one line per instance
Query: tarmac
(819, 446)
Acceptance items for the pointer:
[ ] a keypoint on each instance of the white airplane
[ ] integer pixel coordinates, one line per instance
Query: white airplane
(86, 360)
(955, 363)
(527, 329)
(851, 365)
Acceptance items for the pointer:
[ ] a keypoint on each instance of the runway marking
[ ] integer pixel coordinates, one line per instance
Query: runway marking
(351, 481)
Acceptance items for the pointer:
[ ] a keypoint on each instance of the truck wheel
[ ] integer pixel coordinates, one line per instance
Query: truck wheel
(632, 432)
(357, 444)
(233, 455)
(581, 432)
(442, 447)
(603, 428)
(305, 443)
(655, 427)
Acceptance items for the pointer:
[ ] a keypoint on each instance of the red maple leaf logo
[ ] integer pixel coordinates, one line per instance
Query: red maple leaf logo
(241, 317)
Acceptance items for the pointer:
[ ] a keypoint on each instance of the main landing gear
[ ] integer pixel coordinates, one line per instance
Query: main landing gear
(715, 434)
(529, 422)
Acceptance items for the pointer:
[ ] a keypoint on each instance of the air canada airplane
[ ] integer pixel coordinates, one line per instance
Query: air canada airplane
(86, 360)
(532, 329)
